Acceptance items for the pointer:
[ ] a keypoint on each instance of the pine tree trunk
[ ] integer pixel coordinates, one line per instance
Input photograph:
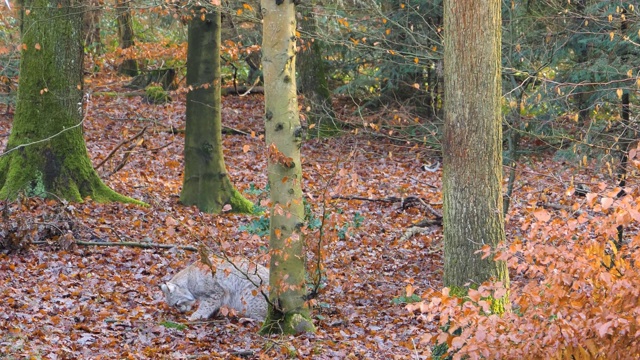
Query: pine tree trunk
(472, 172)
(125, 35)
(288, 312)
(46, 153)
(206, 182)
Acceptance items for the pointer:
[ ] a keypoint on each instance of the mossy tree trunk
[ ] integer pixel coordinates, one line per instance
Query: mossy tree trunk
(312, 73)
(125, 35)
(46, 154)
(206, 183)
(472, 167)
(288, 311)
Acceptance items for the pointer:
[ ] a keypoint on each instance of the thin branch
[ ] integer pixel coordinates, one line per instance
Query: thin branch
(119, 146)
(127, 154)
(43, 140)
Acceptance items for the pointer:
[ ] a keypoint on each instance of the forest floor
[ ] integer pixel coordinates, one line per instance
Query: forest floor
(59, 300)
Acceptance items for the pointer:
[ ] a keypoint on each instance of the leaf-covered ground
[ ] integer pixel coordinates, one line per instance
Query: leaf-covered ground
(62, 301)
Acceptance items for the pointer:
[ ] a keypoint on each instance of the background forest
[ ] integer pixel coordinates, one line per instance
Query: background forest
(80, 279)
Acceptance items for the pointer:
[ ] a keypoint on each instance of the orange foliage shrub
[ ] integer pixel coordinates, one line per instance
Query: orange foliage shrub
(574, 294)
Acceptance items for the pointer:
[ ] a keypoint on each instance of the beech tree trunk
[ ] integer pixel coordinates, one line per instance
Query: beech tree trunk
(46, 155)
(125, 35)
(206, 183)
(472, 166)
(288, 312)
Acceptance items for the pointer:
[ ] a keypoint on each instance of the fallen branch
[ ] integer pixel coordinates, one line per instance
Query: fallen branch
(566, 208)
(242, 90)
(390, 199)
(119, 146)
(243, 353)
(410, 232)
(404, 202)
(126, 244)
(225, 130)
(125, 158)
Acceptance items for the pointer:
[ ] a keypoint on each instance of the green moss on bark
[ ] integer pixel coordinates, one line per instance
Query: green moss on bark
(46, 152)
(289, 323)
(240, 204)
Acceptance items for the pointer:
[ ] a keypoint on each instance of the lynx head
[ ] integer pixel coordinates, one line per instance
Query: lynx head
(177, 296)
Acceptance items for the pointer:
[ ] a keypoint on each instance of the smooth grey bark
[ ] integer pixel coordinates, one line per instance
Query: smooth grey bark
(288, 310)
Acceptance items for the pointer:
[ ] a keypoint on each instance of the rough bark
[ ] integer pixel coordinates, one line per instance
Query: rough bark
(472, 167)
(91, 25)
(46, 154)
(125, 34)
(206, 183)
(288, 312)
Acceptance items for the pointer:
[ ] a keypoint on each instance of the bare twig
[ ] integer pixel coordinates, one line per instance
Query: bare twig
(127, 154)
(119, 146)
(390, 199)
(43, 140)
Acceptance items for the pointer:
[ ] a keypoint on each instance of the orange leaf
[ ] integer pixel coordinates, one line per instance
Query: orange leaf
(606, 202)
(634, 214)
(542, 215)
(457, 342)
(410, 289)
(591, 198)
(500, 293)
(442, 338)
(474, 295)
(172, 164)
(486, 251)
(603, 329)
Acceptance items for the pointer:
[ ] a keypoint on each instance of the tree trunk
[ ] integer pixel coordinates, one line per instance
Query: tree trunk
(629, 135)
(472, 146)
(288, 312)
(313, 78)
(125, 35)
(91, 25)
(46, 154)
(206, 182)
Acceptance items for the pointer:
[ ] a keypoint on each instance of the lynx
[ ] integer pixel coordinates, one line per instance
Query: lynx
(239, 287)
